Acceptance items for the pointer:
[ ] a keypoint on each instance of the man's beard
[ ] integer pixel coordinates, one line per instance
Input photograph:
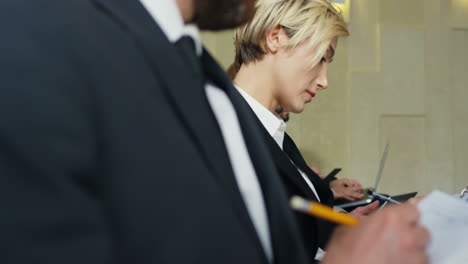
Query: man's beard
(222, 14)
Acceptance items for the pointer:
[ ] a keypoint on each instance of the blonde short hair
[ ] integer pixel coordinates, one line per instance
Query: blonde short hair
(316, 21)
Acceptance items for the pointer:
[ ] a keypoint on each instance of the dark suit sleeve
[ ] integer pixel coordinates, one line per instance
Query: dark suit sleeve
(47, 151)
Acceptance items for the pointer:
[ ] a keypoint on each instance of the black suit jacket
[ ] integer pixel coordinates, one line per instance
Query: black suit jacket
(314, 232)
(296, 185)
(109, 152)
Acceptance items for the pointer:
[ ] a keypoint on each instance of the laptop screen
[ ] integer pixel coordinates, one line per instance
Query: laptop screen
(381, 166)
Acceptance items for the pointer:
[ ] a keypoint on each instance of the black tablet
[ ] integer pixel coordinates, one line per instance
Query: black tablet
(403, 197)
(333, 173)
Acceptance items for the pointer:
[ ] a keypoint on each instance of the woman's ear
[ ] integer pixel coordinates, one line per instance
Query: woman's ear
(275, 38)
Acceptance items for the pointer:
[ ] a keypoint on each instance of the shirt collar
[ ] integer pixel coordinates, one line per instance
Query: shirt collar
(167, 15)
(275, 126)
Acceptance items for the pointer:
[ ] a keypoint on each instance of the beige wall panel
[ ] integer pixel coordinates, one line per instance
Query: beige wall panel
(440, 176)
(439, 127)
(457, 50)
(365, 49)
(459, 66)
(437, 35)
(363, 121)
(405, 167)
(459, 14)
(403, 70)
(461, 146)
(439, 133)
(364, 42)
(402, 11)
(221, 45)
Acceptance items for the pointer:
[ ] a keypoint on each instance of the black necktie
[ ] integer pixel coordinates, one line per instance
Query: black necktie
(186, 47)
(293, 153)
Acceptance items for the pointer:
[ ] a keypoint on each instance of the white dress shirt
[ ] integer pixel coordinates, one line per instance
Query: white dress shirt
(276, 127)
(168, 17)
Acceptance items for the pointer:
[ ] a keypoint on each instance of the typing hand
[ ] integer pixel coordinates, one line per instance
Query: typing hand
(389, 236)
(346, 189)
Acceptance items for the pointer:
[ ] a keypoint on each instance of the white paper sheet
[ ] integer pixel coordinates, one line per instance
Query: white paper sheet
(446, 218)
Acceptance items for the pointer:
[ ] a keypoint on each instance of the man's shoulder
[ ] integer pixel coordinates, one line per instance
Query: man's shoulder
(36, 12)
(41, 21)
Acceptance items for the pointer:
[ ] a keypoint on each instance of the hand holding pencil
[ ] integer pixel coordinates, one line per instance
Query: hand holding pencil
(391, 235)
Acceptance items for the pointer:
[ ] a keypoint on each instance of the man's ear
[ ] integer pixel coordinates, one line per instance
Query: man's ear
(275, 38)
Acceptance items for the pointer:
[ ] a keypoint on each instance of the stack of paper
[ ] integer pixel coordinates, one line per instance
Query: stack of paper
(446, 218)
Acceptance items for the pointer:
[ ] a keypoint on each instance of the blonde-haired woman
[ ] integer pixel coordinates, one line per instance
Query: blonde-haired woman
(282, 58)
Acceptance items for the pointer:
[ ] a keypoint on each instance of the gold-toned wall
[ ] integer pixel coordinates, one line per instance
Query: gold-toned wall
(220, 45)
(402, 78)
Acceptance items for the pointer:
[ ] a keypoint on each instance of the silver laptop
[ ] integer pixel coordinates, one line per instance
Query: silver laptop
(367, 199)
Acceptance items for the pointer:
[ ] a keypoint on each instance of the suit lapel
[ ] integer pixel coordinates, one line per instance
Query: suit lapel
(186, 93)
(321, 187)
(287, 168)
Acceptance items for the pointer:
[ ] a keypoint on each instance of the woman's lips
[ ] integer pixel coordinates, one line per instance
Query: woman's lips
(311, 93)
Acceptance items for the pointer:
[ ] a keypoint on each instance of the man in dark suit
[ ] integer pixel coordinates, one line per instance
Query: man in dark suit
(119, 145)
(112, 150)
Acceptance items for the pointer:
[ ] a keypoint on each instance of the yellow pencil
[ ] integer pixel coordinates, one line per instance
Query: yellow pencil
(322, 211)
